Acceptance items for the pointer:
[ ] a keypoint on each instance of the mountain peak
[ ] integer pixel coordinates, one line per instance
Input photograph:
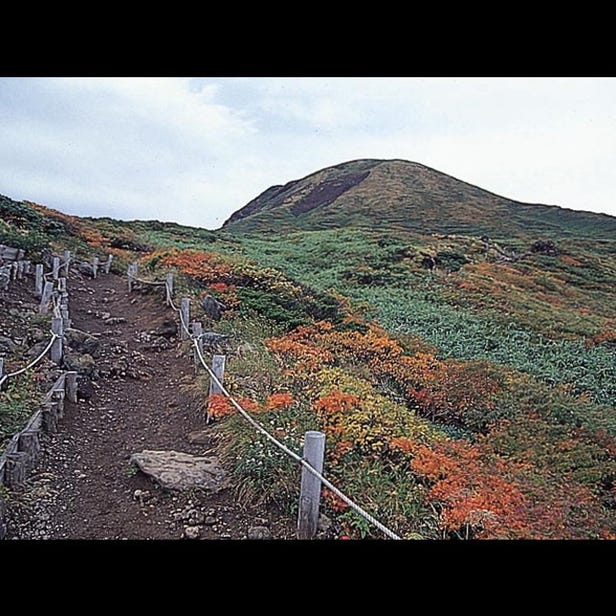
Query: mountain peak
(401, 194)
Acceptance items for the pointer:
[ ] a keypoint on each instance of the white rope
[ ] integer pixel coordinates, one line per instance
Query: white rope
(276, 442)
(33, 363)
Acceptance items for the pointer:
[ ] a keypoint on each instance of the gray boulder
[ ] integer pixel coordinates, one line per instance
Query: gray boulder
(7, 346)
(212, 307)
(82, 342)
(259, 532)
(174, 470)
(81, 363)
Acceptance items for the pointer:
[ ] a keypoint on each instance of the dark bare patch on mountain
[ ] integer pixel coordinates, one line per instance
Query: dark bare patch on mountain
(405, 195)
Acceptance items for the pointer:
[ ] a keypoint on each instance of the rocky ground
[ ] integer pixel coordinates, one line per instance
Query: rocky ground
(136, 394)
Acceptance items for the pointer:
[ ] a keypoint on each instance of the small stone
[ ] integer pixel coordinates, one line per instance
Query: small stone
(209, 520)
(259, 533)
(192, 532)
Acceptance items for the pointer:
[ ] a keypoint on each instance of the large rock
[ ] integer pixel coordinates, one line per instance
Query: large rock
(212, 307)
(83, 364)
(173, 470)
(7, 345)
(81, 342)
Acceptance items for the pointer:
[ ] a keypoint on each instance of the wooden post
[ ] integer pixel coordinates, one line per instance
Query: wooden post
(55, 268)
(38, 280)
(310, 490)
(57, 396)
(50, 417)
(56, 347)
(20, 270)
(15, 470)
(170, 288)
(184, 318)
(47, 291)
(108, 264)
(94, 267)
(66, 320)
(197, 330)
(70, 383)
(67, 263)
(5, 277)
(218, 368)
(132, 271)
(14, 270)
(27, 266)
(30, 444)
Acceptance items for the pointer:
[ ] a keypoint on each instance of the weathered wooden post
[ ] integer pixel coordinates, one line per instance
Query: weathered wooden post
(56, 347)
(55, 269)
(38, 280)
(50, 417)
(184, 318)
(15, 469)
(197, 330)
(132, 271)
(14, 270)
(169, 287)
(70, 384)
(67, 263)
(5, 277)
(46, 297)
(218, 368)
(29, 444)
(310, 490)
(66, 320)
(94, 267)
(108, 264)
(57, 396)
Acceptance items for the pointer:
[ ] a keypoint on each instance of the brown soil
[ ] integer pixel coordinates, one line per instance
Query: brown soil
(84, 486)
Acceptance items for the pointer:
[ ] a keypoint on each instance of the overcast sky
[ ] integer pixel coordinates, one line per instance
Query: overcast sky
(195, 150)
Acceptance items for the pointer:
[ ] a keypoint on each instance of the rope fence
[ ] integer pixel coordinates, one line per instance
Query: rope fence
(256, 425)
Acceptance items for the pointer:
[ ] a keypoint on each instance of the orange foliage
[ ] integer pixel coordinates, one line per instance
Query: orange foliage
(333, 501)
(403, 444)
(278, 401)
(219, 406)
(336, 402)
(474, 492)
(207, 267)
(248, 404)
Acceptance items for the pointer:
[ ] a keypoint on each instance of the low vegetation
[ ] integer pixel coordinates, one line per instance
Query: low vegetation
(464, 394)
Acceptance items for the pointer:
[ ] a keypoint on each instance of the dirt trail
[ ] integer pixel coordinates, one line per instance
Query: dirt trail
(84, 486)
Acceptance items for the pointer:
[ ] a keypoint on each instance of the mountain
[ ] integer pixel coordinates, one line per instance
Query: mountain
(406, 195)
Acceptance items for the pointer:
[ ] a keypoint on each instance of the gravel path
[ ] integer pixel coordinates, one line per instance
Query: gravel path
(84, 486)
